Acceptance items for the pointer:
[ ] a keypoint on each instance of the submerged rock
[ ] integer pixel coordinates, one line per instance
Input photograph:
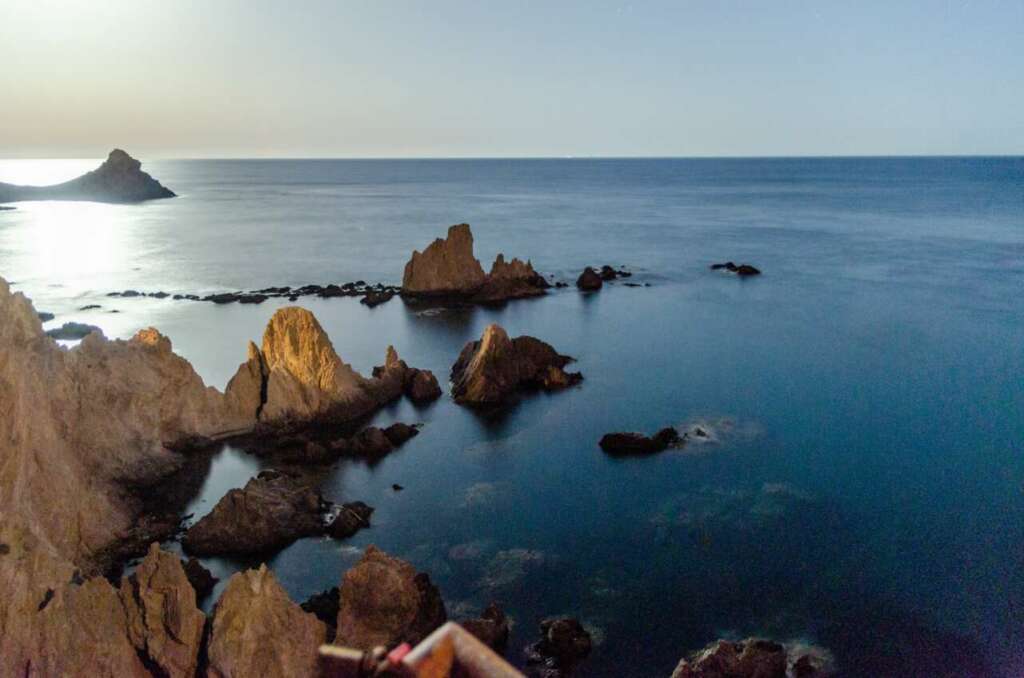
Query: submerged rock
(589, 280)
(564, 643)
(490, 370)
(447, 268)
(742, 270)
(637, 444)
(73, 330)
(270, 512)
(258, 631)
(755, 658)
(119, 179)
(384, 601)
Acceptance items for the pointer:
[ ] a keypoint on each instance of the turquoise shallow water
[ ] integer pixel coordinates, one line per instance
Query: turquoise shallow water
(866, 493)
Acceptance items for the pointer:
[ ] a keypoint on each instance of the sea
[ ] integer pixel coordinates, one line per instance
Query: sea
(861, 487)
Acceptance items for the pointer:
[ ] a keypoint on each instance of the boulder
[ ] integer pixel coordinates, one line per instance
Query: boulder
(422, 386)
(347, 519)
(119, 179)
(489, 371)
(742, 270)
(164, 623)
(637, 444)
(491, 627)
(271, 511)
(751, 658)
(563, 644)
(384, 601)
(258, 631)
(589, 280)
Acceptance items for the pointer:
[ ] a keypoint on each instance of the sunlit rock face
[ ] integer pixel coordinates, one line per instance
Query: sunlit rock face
(448, 269)
(258, 631)
(119, 179)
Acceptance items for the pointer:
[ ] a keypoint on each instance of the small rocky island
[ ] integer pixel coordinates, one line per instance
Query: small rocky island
(447, 271)
(119, 179)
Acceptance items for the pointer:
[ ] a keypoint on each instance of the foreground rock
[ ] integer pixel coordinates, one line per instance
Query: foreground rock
(743, 270)
(755, 658)
(384, 601)
(258, 631)
(270, 512)
(637, 444)
(491, 370)
(163, 620)
(119, 179)
(447, 269)
(564, 643)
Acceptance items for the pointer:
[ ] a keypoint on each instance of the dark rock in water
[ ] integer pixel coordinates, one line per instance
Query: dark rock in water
(384, 601)
(252, 298)
(72, 330)
(421, 386)
(90, 307)
(398, 433)
(564, 643)
(491, 627)
(637, 444)
(158, 295)
(750, 658)
(373, 299)
(201, 579)
(270, 512)
(44, 316)
(349, 519)
(232, 297)
(589, 280)
(370, 443)
(741, 270)
(4, 208)
(492, 369)
(119, 179)
(324, 605)
(397, 488)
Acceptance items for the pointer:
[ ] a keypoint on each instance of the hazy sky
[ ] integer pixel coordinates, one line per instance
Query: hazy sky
(215, 78)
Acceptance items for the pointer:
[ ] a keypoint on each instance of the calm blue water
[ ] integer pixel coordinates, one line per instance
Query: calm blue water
(867, 491)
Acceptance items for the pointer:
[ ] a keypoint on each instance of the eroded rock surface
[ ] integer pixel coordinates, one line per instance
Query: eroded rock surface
(447, 268)
(384, 601)
(755, 658)
(489, 371)
(258, 631)
(119, 179)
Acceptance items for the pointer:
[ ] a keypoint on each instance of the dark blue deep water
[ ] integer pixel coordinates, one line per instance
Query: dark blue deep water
(866, 493)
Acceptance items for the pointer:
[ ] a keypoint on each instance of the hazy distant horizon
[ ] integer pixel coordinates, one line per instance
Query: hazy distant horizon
(454, 79)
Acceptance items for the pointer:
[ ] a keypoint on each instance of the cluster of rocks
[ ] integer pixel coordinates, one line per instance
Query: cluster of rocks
(447, 270)
(371, 295)
(755, 658)
(119, 179)
(743, 270)
(563, 644)
(592, 280)
(491, 370)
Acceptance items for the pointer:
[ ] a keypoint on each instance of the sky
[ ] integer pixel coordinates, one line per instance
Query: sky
(438, 78)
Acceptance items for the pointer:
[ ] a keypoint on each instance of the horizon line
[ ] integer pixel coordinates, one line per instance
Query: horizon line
(548, 157)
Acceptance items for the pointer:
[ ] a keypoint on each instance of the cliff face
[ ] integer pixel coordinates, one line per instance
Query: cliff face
(119, 179)
(447, 268)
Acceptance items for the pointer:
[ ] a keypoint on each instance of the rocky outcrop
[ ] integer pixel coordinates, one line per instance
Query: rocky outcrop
(384, 601)
(270, 512)
(72, 330)
(119, 179)
(489, 371)
(743, 270)
(164, 623)
(589, 280)
(491, 627)
(258, 631)
(637, 444)
(755, 658)
(563, 644)
(347, 519)
(447, 268)
(420, 386)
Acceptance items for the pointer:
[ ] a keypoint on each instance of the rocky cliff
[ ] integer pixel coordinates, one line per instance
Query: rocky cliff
(119, 179)
(447, 268)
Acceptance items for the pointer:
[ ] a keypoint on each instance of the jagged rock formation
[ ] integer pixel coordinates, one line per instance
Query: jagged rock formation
(420, 386)
(270, 512)
(258, 631)
(492, 369)
(119, 179)
(755, 658)
(297, 377)
(448, 269)
(384, 601)
(163, 620)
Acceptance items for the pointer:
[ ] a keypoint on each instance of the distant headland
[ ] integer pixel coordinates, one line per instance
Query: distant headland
(119, 179)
